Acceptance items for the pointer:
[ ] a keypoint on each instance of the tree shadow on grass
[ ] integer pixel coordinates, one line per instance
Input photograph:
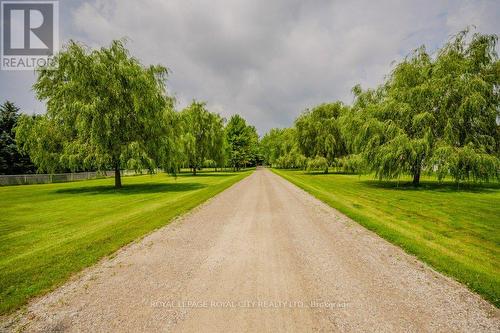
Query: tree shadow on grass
(207, 174)
(133, 188)
(322, 173)
(433, 186)
(425, 185)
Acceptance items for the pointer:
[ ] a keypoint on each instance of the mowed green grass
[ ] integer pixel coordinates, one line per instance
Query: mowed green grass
(48, 232)
(455, 231)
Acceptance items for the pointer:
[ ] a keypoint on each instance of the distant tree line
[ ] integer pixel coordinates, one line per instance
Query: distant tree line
(434, 114)
(207, 141)
(105, 110)
(437, 114)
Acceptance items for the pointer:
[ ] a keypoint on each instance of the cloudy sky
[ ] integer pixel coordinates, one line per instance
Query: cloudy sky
(265, 59)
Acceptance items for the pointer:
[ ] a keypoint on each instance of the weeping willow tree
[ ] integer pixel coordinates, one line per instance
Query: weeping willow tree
(203, 135)
(104, 110)
(405, 120)
(466, 80)
(435, 114)
(280, 149)
(319, 132)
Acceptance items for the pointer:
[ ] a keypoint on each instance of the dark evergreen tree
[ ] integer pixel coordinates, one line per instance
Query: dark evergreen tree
(11, 160)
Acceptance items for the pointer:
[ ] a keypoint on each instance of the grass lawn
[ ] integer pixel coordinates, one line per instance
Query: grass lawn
(455, 231)
(48, 232)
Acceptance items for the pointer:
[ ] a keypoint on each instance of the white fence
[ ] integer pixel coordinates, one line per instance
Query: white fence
(56, 178)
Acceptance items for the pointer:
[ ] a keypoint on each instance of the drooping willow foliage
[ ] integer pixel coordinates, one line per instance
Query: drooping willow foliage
(202, 136)
(280, 149)
(437, 114)
(319, 132)
(105, 110)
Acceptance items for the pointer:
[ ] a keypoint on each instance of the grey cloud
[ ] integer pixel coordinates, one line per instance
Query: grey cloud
(269, 60)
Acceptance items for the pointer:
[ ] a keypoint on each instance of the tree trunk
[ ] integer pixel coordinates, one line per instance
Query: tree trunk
(416, 176)
(194, 171)
(118, 179)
